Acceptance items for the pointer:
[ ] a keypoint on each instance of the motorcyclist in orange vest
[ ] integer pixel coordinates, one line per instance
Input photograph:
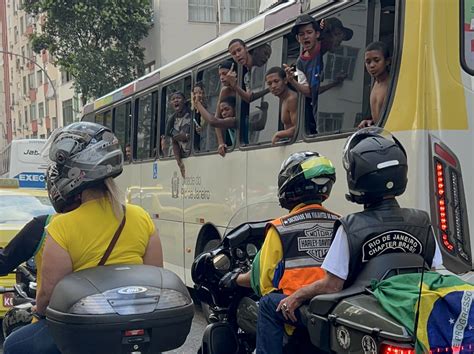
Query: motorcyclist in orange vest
(295, 245)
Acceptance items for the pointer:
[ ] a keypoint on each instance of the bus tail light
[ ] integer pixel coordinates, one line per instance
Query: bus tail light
(448, 208)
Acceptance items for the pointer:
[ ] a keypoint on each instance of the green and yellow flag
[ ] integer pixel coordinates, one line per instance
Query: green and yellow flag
(446, 319)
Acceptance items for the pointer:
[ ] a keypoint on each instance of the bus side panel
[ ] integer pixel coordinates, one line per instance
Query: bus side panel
(213, 192)
(160, 200)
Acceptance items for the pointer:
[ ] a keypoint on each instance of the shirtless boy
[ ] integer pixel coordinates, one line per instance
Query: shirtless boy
(377, 61)
(278, 84)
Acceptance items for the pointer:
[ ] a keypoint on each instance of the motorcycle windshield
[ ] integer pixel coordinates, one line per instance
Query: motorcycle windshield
(251, 220)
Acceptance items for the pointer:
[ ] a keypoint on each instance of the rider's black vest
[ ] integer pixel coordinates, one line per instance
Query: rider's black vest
(386, 228)
(305, 235)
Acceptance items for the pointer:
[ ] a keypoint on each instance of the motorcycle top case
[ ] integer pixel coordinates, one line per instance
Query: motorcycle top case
(120, 309)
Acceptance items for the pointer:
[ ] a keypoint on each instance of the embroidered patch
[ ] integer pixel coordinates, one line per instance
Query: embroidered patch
(394, 241)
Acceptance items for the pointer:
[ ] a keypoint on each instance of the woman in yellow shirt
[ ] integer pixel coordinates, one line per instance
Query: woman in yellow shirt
(85, 157)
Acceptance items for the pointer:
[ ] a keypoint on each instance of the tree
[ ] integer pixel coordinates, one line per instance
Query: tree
(97, 42)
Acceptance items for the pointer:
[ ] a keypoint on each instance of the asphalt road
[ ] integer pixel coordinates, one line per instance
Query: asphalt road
(193, 342)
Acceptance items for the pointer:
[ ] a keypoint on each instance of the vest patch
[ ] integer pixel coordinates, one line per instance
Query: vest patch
(316, 242)
(308, 215)
(390, 242)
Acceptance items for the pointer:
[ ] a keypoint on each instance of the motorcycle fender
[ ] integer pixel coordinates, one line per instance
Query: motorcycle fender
(219, 338)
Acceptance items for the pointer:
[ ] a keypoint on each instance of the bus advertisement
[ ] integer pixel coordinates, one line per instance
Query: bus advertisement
(21, 159)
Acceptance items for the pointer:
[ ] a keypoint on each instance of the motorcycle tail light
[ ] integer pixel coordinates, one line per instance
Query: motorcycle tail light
(134, 332)
(395, 349)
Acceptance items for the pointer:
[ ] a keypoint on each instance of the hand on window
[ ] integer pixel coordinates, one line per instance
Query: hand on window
(222, 149)
(365, 123)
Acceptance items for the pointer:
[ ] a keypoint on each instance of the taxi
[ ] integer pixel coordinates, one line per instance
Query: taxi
(17, 207)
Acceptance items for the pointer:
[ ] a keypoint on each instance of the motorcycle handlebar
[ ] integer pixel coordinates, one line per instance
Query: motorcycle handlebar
(4, 290)
(26, 273)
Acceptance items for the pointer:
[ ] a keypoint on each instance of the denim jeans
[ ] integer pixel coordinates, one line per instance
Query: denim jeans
(271, 324)
(31, 339)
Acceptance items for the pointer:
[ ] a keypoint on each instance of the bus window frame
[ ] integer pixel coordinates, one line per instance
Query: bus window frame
(198, 70)
(155, 104)
(395, 63)
(268, 144)
(162, 109)
(114, 109)
(396, 59)
(462, 34)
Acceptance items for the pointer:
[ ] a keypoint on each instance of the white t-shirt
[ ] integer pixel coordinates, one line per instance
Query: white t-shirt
(337, 259)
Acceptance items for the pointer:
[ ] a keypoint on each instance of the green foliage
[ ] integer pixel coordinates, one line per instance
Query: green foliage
(96, 41)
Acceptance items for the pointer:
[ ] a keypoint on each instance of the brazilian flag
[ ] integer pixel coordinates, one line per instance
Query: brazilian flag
(446, 318)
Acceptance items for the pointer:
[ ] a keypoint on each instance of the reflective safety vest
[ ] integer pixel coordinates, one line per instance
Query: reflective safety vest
(305, 236)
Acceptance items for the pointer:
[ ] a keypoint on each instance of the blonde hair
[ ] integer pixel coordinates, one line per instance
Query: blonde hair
(116, 197)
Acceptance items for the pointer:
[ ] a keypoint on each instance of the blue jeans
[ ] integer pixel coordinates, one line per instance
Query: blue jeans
(31, 339)
(271, 324)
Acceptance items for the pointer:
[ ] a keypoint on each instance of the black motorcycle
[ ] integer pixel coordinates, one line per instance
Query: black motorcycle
(23, 295)
(351, 321)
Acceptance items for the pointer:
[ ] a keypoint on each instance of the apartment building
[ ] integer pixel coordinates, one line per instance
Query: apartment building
(37, 96)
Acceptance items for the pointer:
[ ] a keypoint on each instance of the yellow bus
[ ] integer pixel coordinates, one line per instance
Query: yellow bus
(430, 108)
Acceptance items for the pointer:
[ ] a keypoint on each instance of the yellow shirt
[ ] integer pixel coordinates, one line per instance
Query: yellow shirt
(85, 233)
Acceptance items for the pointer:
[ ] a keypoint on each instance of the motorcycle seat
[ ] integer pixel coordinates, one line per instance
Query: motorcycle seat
(381, 267)
(323, 304)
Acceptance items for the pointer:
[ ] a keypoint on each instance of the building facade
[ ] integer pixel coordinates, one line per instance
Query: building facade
(179, 26)
(37, 96)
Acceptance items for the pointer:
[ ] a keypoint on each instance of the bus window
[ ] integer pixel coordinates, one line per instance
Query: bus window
(207, 123)
(175, 122)
(145, 138)
(108, 119)
(99, 118)
(342, 100)
(122, 123)
(89, 117)
(467, 34)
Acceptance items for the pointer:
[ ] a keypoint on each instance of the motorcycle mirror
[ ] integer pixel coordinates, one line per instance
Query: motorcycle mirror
(221, 262)
(251, 250)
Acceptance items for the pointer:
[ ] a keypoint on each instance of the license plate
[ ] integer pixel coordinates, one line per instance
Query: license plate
(8, 300)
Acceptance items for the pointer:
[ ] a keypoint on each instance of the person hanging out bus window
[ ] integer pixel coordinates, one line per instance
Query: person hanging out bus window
(332, 35)
(177, 131)
(227, 122)
(377, 63)
(309, 66)
(205, 135)
(226, 125)
(278, 84)
(241, 55)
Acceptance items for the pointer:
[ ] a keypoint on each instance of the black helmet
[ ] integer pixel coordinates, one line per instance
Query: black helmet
(305, 176)
(82, 155)
(376, 165)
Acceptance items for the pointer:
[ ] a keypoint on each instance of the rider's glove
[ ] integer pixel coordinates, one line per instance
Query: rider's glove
(229, 280)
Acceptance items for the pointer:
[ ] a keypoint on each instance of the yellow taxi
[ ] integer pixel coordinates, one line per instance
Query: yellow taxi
(17, 207)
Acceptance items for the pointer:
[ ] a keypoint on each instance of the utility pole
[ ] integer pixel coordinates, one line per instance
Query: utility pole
(218, 17)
